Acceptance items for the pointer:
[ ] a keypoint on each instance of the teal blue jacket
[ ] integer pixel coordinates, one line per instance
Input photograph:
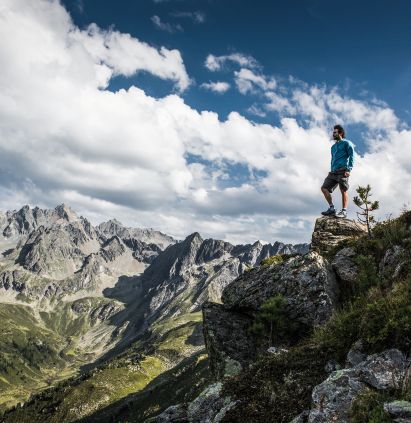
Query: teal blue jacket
(342, 155)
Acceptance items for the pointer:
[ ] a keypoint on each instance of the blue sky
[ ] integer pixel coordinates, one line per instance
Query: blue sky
(210, 116)
(361, 47)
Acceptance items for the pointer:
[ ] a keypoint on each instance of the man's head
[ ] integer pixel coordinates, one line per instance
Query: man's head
(338, 132)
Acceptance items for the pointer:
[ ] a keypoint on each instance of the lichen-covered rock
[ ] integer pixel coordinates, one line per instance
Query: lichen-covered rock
(329, 232)
(356, 354)
(344, 265)
(228, 344)
(400, 411)
(306, 282)
(332, 399)
(385, 370)
(173, 414)
(208, 407)
(394, 260)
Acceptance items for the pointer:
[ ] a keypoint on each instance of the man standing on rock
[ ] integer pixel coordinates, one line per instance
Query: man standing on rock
(342, 161)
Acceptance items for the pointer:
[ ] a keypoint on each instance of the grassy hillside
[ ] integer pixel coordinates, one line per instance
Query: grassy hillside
(40, 348)
(171, 355)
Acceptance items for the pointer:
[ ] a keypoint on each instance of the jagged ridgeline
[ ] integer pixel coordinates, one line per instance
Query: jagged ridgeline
(105, 323)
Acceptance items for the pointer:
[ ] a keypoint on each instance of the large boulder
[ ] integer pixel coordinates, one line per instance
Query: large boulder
(333, 398)
(330, 231)
(344, 266)
(306, 282)
(308, 286)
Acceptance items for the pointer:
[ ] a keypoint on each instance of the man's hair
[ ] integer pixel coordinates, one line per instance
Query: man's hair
(340, 129)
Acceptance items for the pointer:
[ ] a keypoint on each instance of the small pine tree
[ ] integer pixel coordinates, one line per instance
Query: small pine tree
(272, 318)
(366, 205)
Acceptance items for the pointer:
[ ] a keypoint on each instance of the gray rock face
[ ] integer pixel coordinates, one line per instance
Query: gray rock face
(25, 220)
(229, 346)
(330, 231)
(52, 252)
(173, 414)
(344, 265)
(146, 244)
(113, 248)
(332, 399)
(306, 282)
(308, 286)
(356, 354)
(394, 260)
(12, 280)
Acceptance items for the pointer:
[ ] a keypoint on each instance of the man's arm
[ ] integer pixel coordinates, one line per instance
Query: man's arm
(351, 153)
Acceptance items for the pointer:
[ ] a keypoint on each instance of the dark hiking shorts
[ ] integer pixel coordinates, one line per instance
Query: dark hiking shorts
(336, 178)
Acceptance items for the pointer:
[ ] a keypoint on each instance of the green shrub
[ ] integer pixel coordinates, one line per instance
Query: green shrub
(368, 408)
(367, 275)
(393, 231)
(386, 322)
(340, 332)
(273, 323)
(277, 259)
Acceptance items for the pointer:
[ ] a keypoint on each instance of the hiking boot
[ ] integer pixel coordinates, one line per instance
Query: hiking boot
(342, 214)
(329, 212)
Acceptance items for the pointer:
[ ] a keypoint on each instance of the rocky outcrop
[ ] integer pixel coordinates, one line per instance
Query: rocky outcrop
(329, 232)
(308, 287)
(144, 237)
(306, 282)
(25, 220)
(14, 280)
(146, 244)
(333, 398)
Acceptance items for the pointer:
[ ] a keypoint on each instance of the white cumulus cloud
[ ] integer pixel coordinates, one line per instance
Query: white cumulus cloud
(218, 87)
(216, 63)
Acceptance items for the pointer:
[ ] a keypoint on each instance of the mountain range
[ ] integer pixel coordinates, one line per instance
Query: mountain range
(107, 308)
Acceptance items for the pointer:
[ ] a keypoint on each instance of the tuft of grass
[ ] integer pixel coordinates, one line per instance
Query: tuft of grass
(368, 407)
(276, 259)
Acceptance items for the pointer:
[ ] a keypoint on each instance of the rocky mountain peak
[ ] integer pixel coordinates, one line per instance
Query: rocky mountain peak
(65, 212)
(194, 238)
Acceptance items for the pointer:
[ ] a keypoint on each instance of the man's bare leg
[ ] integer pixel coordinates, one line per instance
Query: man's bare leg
(327, 195)
(344, 198)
